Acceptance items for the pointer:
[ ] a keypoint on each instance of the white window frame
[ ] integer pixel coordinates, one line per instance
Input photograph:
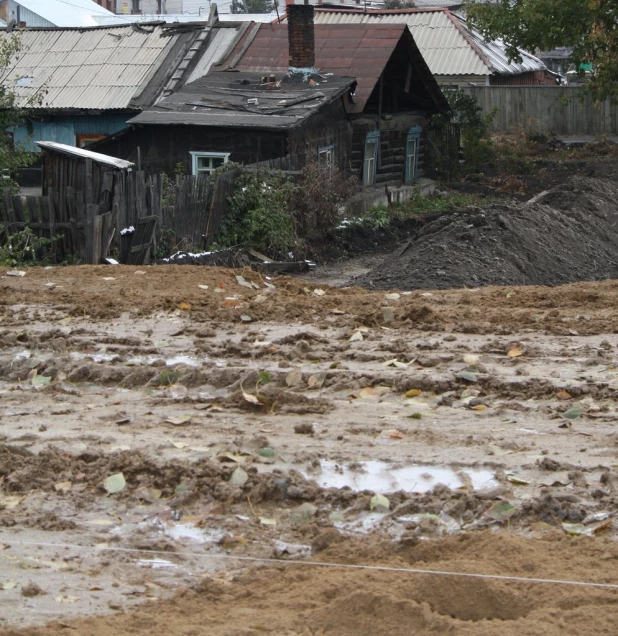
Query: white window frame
(196, 155)
(326, 156)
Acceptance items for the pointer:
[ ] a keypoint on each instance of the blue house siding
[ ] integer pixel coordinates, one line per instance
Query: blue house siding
(64, 130)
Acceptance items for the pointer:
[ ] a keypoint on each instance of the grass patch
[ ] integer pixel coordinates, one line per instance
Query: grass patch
(382, 216)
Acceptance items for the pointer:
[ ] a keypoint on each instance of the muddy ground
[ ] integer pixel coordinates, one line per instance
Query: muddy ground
(247, 418)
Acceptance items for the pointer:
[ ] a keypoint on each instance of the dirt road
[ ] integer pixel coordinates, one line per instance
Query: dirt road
(160, 425)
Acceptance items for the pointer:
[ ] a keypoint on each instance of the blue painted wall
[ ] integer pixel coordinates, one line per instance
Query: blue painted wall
(65, 129)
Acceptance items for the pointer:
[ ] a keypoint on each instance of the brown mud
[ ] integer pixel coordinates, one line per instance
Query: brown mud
(260, 422)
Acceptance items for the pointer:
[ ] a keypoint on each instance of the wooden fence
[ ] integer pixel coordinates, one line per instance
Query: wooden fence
(561, 110)
(88, 220)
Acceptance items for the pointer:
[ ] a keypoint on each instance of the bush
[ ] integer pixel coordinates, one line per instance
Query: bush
(25, 248)
(259, 215)
(476, 142)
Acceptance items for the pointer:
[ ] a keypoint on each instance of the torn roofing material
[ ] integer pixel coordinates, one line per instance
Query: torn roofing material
(361, 51)
(80, 153)
(245, 100)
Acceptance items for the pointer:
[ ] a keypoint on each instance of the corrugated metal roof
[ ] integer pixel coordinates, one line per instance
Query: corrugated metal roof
(66, 13)
(89, 69)
(448, 46)
(85, 154)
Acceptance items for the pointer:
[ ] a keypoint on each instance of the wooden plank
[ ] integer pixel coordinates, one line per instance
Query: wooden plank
(97, 237)
(92, 230)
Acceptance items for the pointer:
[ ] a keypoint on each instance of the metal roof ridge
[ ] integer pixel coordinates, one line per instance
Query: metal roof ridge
(457, 22)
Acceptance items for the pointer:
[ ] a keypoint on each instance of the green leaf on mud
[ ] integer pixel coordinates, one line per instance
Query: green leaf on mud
(40, 380)
(266, 452)
(380, 503)
(168, 377)
(501, 511)
(468, 376)
(573, 413)
(265, 377)
(115, 483)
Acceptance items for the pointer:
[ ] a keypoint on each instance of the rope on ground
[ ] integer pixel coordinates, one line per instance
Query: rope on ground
(321, 564)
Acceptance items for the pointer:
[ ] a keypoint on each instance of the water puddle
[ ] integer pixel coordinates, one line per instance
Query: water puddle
(381, 477)
(95, 357)
(190, 531)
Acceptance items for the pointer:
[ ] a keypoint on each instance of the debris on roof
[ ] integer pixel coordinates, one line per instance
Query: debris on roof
(248, 100)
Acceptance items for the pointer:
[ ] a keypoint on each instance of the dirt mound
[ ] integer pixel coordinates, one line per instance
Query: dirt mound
(564, 235)
(304, 601)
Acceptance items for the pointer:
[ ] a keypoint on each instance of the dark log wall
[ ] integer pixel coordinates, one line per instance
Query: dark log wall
(393, 137)
(329, 126)
(162, 148)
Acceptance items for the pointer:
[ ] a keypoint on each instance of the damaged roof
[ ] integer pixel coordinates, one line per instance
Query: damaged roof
(361, 51)
(121, 67)
(245, 100)
(447, 44)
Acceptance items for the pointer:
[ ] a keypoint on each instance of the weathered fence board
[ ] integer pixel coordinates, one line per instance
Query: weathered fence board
(561, 110)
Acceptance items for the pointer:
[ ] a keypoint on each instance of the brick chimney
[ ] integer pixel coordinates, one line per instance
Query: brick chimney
(300, 35)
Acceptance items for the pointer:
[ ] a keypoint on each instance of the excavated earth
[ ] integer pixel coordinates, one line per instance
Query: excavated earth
(181, 447)
(562, 235)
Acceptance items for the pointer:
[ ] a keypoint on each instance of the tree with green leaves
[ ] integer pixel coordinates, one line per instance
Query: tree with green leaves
(590, 27)
(13, 111)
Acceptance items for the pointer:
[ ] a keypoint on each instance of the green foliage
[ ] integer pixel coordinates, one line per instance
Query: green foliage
(381, 216)
(258, 214)
(590, 27)
(13, 112)
(25, 248)
(398, 4)
(475, 138)
(252, 6)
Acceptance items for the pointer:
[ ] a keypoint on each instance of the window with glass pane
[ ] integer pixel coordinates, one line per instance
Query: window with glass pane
(206, 163)
(326, 155)
(371, 157)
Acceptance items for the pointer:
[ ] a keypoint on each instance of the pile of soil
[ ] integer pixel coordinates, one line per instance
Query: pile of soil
(564, 235)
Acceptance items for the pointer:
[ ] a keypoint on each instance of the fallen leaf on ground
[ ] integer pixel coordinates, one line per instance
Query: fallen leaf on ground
(40, 380)
(515, 352)
(242, 281)
(8, 585)
(266, 521)
(501, 511)
(179, 444)
(316, 381)
(252, 399)
(115, 483)
(412, 393)
(564, 395)
(356, 336)
(184, 306)
(468, 376)
(294, 377)
(573, 413)
(239, 477)
(319, 292)
(179, 420)
(379, 503)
